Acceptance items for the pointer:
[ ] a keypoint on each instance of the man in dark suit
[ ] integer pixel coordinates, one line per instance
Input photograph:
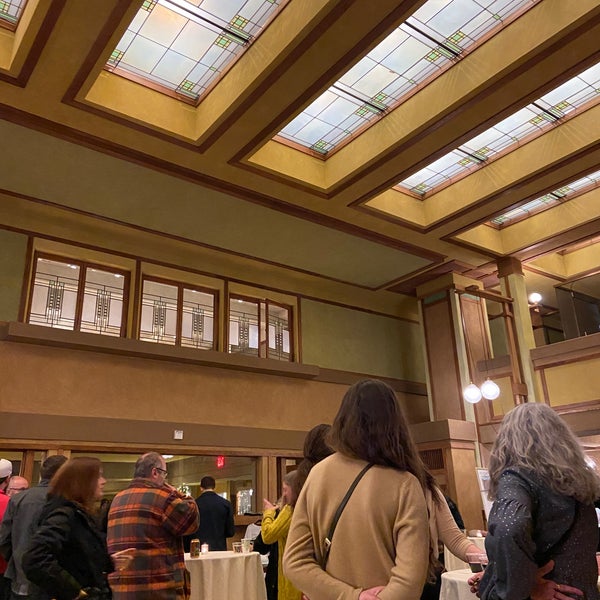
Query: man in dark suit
(216, 516)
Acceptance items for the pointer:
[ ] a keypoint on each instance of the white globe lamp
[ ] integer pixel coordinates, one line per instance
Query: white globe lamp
(489, 389)
(535, 298)
(472, 393)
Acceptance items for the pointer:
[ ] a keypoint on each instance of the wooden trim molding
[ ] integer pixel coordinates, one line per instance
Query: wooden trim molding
(568, 351)
(98, 433)
(47, 336)
(35, 334)
(349, 378)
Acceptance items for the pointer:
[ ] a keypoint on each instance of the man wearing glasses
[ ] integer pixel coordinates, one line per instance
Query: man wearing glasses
(151, 516)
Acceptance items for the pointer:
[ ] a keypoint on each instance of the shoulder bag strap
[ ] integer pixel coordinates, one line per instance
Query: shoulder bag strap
(338, 513)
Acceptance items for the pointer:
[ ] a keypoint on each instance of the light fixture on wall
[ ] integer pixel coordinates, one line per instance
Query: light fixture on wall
(535, 298)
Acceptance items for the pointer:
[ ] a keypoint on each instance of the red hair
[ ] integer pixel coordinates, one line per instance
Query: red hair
(77, 481)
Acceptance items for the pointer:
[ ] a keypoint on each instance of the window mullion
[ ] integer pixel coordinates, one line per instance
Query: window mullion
(80, 296)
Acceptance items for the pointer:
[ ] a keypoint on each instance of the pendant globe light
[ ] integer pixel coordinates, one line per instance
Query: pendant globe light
(472, 393)
(490, 389)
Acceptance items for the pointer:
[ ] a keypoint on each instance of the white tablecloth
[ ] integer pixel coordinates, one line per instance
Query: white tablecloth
(452, 563)
(226, 576)
(455, 586)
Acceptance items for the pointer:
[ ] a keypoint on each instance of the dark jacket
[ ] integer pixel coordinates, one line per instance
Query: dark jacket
(216, 520)
(18, 526)
(271, 573)
(530, 524)
(67, 553)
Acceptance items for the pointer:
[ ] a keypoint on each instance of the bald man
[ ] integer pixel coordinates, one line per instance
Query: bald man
(16, 484)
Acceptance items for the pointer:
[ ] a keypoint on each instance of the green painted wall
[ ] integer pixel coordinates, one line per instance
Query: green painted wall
(13, 251)
(334, 337)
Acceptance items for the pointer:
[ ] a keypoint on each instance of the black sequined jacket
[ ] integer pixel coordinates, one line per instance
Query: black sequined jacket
(530, 524)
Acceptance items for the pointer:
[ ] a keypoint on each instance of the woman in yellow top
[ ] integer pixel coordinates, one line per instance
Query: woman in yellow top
(275, 528)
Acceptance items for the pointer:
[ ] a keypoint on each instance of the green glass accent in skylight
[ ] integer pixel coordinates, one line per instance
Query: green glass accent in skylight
(11, 11)
(534, 119)
(432, 39)
(562, 194)
(170, 43)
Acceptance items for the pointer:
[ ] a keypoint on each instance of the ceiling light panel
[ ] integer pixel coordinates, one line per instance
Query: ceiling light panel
(10, 12)
(579, 92)
(183, 47)
(562, 194)
(427, 43)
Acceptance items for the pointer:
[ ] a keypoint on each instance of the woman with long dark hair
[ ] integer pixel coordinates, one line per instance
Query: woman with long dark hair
(381, 544)
(543, 516)
(316, 448)
(67, 556)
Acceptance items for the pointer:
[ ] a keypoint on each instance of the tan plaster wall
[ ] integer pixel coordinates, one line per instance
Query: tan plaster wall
(13, 251)
(41, 379)
(573, 383)
(339, 338)
(107, 397)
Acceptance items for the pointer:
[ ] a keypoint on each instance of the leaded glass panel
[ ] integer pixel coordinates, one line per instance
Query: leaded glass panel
(159, 313)
(244, 326)
(183, 47)
(428, 42)
(102, 302)
(562, 194)
(197, 320)
(534, 119)
(54, 298)
(10, 12)
(279, 332)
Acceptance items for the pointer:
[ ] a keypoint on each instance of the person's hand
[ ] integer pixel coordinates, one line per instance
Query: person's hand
(123, 558)
(473, 582)
(546, 589)
(268, 505)
(371, 593)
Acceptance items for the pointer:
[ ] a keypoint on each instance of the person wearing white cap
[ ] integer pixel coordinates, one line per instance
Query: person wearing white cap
(5, 473)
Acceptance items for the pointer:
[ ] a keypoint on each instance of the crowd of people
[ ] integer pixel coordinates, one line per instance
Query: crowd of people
(361, 518)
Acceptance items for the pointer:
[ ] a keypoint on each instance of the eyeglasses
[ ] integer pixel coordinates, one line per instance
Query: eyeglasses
(163, 471)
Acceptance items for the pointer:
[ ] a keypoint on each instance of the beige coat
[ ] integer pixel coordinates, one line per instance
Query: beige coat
(382, 537)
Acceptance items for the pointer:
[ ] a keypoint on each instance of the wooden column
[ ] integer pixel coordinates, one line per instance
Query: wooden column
(519, 329)
(450, 359)
(448, 449)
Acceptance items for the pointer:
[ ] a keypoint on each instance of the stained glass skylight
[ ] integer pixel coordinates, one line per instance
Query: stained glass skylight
(562, 194)
(182, 47)
(437, 35)
(537, 117)
(10, 12)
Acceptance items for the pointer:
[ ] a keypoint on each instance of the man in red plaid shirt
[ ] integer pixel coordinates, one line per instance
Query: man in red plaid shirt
(151, 516)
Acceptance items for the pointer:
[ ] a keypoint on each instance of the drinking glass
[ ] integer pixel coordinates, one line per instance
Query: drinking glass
(477, 561)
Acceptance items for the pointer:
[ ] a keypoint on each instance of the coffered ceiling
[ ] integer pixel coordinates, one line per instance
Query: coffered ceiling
(221, 169)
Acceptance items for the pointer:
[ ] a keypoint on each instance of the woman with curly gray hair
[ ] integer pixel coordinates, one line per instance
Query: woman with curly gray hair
(543, 517)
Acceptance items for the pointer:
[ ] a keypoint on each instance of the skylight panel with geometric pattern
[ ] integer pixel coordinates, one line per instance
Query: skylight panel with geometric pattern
(535, 118)
(182, 47)
(431, 40)
(10, 12)
(562, 194)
